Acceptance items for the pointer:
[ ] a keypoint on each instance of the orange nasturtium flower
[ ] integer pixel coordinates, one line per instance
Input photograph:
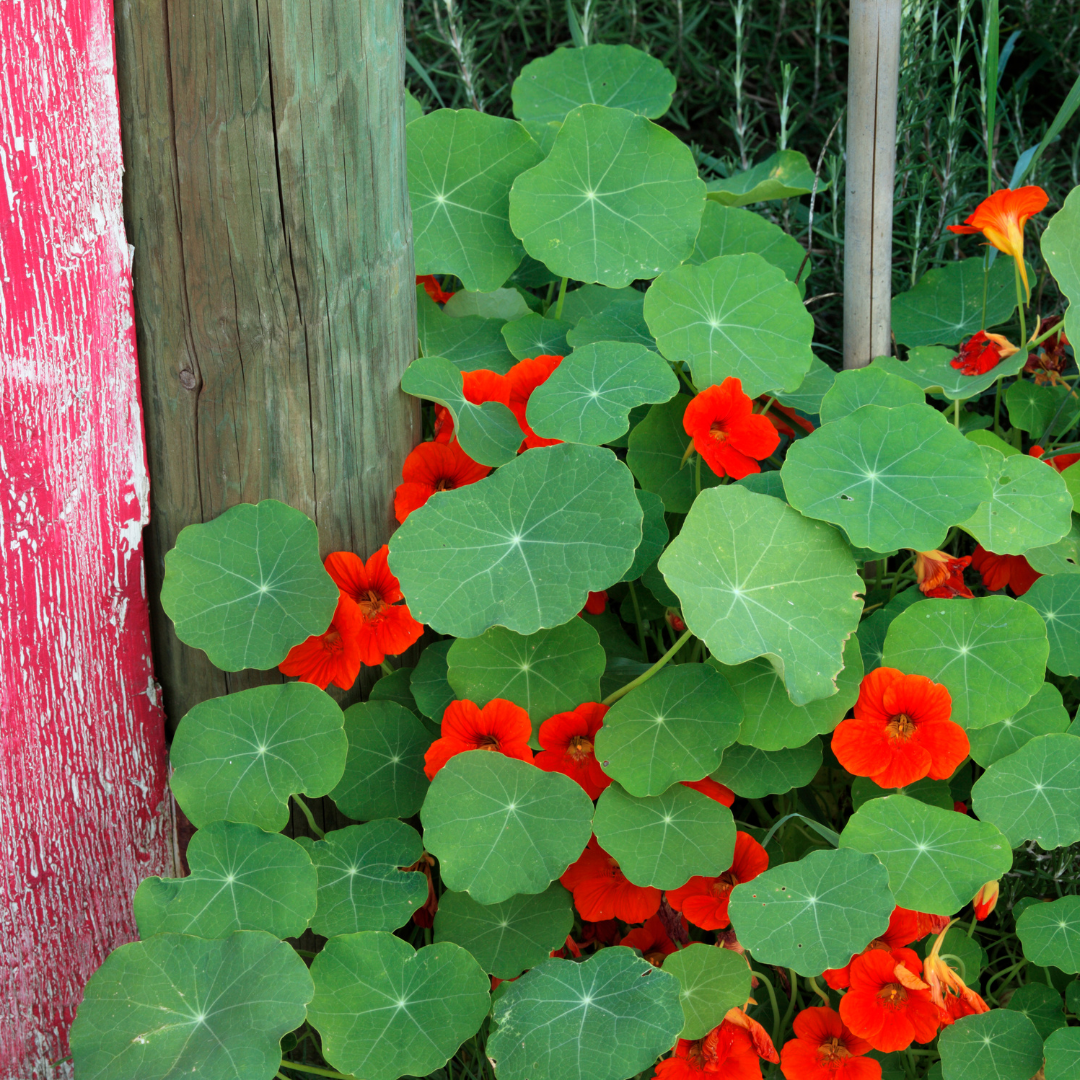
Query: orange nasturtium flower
(940, 575)
(477, 387)
(501, 726)
(904, 928)
(567, 739)
(947, 990)
(982, 353)
(433, 288)
(602, 891)
(901, 731)
(985, 900)
(1000, 570)
(1001, 218)
(524, 377)
(332, 656)
(730, 437)
(704, 900)
(431, 467)
(711, 788)
(825, 1048)
(652, 940)
(726, 1053)
(596, 604)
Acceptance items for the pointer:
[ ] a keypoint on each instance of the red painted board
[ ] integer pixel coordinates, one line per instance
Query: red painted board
(84, 813)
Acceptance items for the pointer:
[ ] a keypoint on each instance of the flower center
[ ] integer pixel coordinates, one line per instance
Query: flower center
(444, 484)
(579, 748)
(655, 958)
(370, 603)
(892, 996)
(901, 727)
(833, 1052)
(487, 742)
(718, 431)
(724, 884)
(332, 641)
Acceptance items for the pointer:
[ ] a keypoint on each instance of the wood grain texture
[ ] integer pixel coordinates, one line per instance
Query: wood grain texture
(83, 813)
(266, 198)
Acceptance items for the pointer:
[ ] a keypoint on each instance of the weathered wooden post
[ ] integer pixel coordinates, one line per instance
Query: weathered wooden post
(873, 72)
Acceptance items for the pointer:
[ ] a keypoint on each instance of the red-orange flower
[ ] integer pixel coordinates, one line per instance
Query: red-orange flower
(780, 425)
(1000, 570)
(433, 288)
(714, 790)
(888, 1004)
(431, 467)
(333, 656)
(651, 940)
(824, 1048)
(985, 900)
(1001, 218)
(904, 928)
(901, 731)
(947, 990)
(501, 726)
(726, 432)
(387, 627)
(704, 900)
(982, 353)
(940, 575)
(524, 377)
(567, 739)
(596, 604)
(726, 1053)
(477, 386)
(601, 890)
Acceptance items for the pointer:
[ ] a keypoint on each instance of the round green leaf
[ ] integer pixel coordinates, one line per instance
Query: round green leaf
(1034, 408)
(618, 198)
(671, 728)
(413, 109)
(771, 721)
(461, 165)
(384, 1010)
(1056, 597)
(548, 672)
(665, 840)
(997, 1045)
(522, 548)
(711, 981)
(872, 631)
(755, 773)
(1044, 714)
(1034, 794)
(588, 397)
(499, 826)
(589, 300)
(756, 578)
(931, 368)
(815, 913)
(937, 859)
(1041, 1004)
(735, 315)
(178, 1005)
(989, 653)
(502, 304)
(361, 880)
(1050, 933)
(1060, 558)
(607, 1018)
(889, 477)
(384, 770)
(1062, 1049)
(534, 335)
(621, 321)
(1060, 245)
(931, 792)
(812, 390)
(241, 879)
(395, 688)
(430, 686)
(249, 585)
(1030, 505)
(783, 175)
(468, 342)
(857, 387)
(509, 937)
(654, 534)
(618, 76)
(728, 230)
(241, 756)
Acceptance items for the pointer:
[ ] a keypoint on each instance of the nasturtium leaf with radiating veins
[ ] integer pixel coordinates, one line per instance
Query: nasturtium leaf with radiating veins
(499, 826)
(395, 688)
(362, 883)
(1044, 714)
(756, 578)
(664, 840)
(1050, 933)
(241, 879)
(931, 368)
(509, 937)
(606, 1018)
(534, 335)
(932, 792)
(621, 321)
(711, 981)
(728, 230)
(889, 477)
(990, 653)
(1034, 794)
(429, 684)
(1037, 409)
(413, 109)
(764, 483)
(384, 770)
(988, 438)
(735, 315)
(618, 198)
(504, 305)
(1060, 558)
(179, 1005)
(241, 756)
(937, 859)
(543, 133)
(811, 391)
(522, 548)
(1041, 1004)
(815, 913)
(1060, 246)
(384, 1009)
(783, 175)
(1030, 505)
(1071, 476)
(1056, 597)
(857, 387)
(754, 773)
(996, 1045)
(872, 630)
(588, 397)
(946, 305)
(618, 76)
(249, 585)
(489, 433)
(1062, 1049)
(673, 727)
(771, 721)
(654, 534)
(548, 672)
(588, 300)
(469, 342)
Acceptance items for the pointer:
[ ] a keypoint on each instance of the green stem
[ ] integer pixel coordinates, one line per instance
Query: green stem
(817, 990)
(310, 817)
(562, 297)
(997, 408)
(316, 1070)
(956, 413)
(645, 676)
(1020, 300)
(638, 619)
(386, 668)
(789, 1012)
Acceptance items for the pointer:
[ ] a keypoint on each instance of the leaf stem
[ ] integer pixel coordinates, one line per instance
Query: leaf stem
(306, 810)
(316, 1070)
(562, 297)
(639, 620)
(645, 676)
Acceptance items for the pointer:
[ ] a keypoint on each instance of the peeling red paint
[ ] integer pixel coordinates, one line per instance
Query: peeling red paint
(83, 802)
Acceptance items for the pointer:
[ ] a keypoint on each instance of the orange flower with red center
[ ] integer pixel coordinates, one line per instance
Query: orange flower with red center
(431, 467)
(985, 900)
(1001, 218)
(901, 731)
(524, 377)
(500, 726)
(433, 288)
(824, 1048)
(982, 353)
(477, 387)
(567, 739)
(1000, 570)
(714, 790)
(888, 1004)
(652, 941)
(904, 928)
(704, 900)
(940, 575)
(726, 1053)
(726, 432)
(602, 891)
(333, 656)
(947, 990)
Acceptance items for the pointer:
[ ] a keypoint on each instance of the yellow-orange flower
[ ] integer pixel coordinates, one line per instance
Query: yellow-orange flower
(985, 900)
(947, 990)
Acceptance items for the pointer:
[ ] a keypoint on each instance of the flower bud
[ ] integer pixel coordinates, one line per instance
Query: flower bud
(985, 900)
(675, 620)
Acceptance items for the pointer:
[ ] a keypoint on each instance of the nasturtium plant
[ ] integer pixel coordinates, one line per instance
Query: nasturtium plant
(469, 342)
(1044, 714)
(1050, 933)
(1056, 597)
(622, 321)
(782, 175)
(931, 367)
(872, 385)
(1059, 248)
(729, 230)
(1001, 1043)
(535, 335)
(711, 981)
(755, 773)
